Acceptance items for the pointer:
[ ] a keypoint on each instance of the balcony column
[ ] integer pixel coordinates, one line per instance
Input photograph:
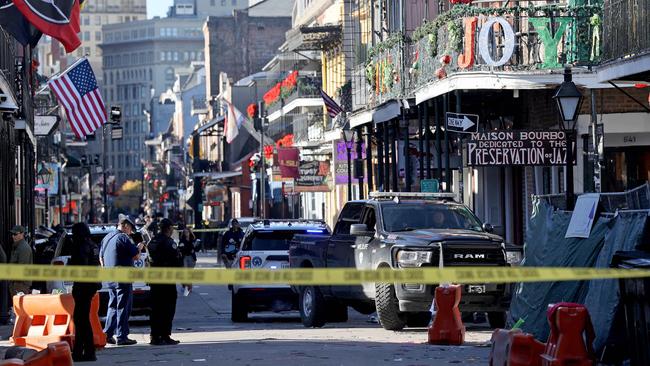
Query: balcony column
(358, 166)
(420, 142)
(380, 158)
(393, 152)
(369, 157)
(438, 146)
(387, 143)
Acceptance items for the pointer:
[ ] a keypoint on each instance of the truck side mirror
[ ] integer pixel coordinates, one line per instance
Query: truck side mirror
(488, 228)
(360, 230)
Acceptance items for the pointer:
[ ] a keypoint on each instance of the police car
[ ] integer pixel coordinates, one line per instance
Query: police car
(266, 246)
(141, 291)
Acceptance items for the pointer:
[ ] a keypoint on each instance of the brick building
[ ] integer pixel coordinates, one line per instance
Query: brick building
(242, 44)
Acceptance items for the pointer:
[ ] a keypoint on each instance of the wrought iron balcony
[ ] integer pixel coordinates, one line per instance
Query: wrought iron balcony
(626, 30)
(288, 91)
(517, 39)
(308, 128)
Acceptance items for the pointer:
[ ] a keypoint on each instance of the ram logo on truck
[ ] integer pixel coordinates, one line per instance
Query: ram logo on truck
(469, 256)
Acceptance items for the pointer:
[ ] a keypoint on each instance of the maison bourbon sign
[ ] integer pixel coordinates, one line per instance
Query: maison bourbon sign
(507, 148)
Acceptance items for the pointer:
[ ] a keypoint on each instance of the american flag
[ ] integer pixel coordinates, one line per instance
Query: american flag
(333, 109)
(76, 89)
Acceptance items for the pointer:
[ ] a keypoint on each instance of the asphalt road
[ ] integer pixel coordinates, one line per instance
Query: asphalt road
(208, 337)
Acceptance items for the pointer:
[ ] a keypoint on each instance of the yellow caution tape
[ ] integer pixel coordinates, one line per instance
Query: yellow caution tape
(313, 276)
(209, 230)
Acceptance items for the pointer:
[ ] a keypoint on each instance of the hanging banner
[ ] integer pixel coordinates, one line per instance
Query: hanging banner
(289, 161)
(341, 161)
(508, 148)
(314, 177)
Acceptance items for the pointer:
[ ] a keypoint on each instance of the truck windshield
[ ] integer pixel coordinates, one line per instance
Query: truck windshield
(406, 217)
(270, 240)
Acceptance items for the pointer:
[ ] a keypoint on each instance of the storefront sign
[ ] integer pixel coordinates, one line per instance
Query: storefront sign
(507, 148)
(289, 160)
(314, 174)
(341, 161)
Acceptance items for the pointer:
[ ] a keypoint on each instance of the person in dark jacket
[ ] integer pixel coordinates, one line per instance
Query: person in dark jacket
(84, 253)
(164, 253)
(231, 242)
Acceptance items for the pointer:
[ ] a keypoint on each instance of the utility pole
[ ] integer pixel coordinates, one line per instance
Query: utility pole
(262, 161)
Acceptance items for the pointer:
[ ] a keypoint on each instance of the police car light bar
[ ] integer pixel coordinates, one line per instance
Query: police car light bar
(421, 195)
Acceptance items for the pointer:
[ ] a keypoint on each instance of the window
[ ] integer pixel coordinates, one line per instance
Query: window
(411, 216)
(169, 74)
(175, 55)
(98, 36)
(86, 36)
(276, 240)
(98, 20)
(85, 20)
(87, 51)
(136, 107)
(350, 214)
(234, 2)
(162, 55)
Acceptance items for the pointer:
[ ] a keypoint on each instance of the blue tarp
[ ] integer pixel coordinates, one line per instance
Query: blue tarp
(546, 247)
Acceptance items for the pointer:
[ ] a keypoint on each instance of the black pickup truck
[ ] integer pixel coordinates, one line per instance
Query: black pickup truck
(400, 230)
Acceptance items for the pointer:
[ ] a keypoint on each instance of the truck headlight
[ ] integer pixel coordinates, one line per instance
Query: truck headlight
(413, 258)
(514, 258)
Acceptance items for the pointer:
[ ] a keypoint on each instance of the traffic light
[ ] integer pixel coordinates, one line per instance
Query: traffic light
(116, 114)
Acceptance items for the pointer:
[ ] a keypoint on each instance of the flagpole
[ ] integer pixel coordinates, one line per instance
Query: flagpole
(47, 85)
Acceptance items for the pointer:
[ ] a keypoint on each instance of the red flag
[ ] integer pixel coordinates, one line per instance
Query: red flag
(57, 18)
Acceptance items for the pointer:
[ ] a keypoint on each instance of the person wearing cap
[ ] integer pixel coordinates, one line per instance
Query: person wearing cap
(21, 253)
(118, 250)
(231, 241)
(164, 253)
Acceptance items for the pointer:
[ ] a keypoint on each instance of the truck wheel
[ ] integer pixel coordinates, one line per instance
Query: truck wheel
(337, 312)
(313, 312)
(497, 319)
(239, 309)
(388, 312)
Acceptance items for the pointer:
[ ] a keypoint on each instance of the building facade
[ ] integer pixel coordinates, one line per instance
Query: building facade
(141, 60)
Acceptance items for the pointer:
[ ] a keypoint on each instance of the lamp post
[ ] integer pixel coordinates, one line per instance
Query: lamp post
(44, 176)
(569, 100)
(348, 135)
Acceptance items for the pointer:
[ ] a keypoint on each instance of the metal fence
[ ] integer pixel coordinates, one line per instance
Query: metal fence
(635, 199)
(626, 30)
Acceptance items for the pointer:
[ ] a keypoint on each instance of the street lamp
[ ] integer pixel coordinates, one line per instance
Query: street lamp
(569, 100)
(348, 135)
(44, 176)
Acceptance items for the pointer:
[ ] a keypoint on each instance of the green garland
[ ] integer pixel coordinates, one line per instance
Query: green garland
(390, 42)
(455, 36)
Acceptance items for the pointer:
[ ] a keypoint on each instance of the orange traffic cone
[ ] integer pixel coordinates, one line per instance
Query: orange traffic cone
(447, 327)
(572, 336)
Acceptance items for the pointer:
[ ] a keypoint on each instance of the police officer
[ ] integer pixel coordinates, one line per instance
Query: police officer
(118, 250)
(164, 253)
(84, 253)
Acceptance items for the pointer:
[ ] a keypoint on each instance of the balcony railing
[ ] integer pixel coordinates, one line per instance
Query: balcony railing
(308, 128)
(626, 30)
(306, 86)
(520, 40)
(473, 38)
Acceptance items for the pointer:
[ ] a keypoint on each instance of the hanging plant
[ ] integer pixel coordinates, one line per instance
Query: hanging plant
(268, 151)
(455, 36)
(370, 75)
(251, 111)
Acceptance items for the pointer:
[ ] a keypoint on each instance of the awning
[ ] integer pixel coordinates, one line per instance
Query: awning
(213, 122)
(477, 80)
(632, 69)
(383, 113)
(319, 37)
